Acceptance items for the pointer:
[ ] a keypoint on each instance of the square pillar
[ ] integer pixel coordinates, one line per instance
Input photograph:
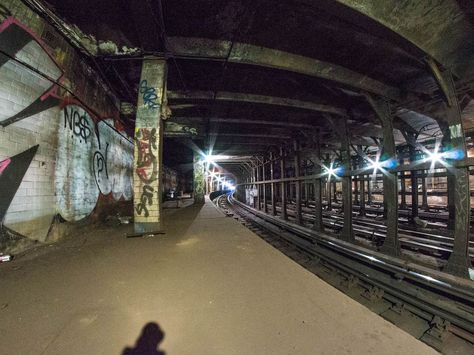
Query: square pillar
(198, 178)
(147, 172)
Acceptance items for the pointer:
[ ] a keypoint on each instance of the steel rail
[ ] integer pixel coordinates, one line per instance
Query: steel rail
(428, 291)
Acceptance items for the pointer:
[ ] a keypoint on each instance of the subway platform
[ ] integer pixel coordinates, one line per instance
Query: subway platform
(207, 286)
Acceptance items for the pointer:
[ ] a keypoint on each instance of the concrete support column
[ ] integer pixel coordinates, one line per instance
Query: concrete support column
(283, 184)
(391, 244)
(198, 178)
(147, 172)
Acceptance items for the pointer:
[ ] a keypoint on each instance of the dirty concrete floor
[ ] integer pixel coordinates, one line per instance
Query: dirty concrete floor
(212, 285)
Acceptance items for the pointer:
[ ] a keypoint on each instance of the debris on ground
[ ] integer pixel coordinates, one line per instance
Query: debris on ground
(5, 258)
(420, 222)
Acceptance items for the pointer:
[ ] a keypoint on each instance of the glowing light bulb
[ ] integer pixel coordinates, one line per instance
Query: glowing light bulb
(435, 156)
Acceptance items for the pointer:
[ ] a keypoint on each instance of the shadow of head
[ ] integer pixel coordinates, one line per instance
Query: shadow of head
(148, 342)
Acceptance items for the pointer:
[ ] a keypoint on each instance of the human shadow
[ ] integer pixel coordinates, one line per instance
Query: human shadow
(149, 341)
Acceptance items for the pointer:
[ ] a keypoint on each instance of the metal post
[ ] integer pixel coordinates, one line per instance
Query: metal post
(264, 188)
(424, 192)
(356, 181)
(403, 190)
(452, 127)
(283, 185)
(341, 130)
(391, 244)
(317, 183)
(369, 189)
(362, 196)
(306, 191)
(257, 174)
(451, 187)
(328, 193)
(347, 233)
(272, 186)
(298, 214)
(414, 185)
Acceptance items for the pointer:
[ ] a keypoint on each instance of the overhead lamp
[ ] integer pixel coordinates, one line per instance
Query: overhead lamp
(376, 165)
(330, 170)
(435, 156)
(208, 159)
(380, 165)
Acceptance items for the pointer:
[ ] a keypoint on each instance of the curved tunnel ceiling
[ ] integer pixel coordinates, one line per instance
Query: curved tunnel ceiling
(250, 74)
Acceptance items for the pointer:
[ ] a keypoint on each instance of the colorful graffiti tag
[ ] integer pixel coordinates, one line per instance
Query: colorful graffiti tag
(12, 171)
(21, 49)
(90, 163)
(79, 157)
(146, 168)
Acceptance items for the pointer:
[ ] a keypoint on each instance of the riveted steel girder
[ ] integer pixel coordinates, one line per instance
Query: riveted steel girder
(440, 29)
(243, 53)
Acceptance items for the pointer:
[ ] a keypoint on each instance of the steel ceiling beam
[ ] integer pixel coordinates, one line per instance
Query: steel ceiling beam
(243, 53)
(254, 99)
(250, 135)
(440, 29)
(250, 121)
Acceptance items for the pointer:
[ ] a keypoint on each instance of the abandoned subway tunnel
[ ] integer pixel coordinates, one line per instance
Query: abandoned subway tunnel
(236, 177)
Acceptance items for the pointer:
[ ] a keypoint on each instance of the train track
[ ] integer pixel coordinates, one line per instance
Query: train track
(428, 243)
(435, 307)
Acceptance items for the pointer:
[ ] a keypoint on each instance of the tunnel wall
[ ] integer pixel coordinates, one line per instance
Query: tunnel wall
(51, 98)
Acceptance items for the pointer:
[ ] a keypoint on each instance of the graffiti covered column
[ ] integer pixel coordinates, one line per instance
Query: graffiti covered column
(148, 146)
(199, 176)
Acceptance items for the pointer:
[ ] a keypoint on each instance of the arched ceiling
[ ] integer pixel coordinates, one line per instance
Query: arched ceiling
(250, 74)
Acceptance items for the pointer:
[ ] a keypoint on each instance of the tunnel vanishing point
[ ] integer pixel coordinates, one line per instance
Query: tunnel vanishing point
(164, 163)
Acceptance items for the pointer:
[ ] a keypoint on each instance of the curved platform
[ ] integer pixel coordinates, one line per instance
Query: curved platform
(210, 284)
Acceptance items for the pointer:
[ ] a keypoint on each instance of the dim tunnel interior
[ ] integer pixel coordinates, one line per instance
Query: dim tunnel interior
(320, 150)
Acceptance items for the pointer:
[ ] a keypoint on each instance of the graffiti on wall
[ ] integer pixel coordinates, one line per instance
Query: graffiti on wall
(174, 128)
(22, 54)
(92, 159)
(4, 164)
(113, 162)
(149, 95)
(12, 171)
(199, 179)
(146, 168)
